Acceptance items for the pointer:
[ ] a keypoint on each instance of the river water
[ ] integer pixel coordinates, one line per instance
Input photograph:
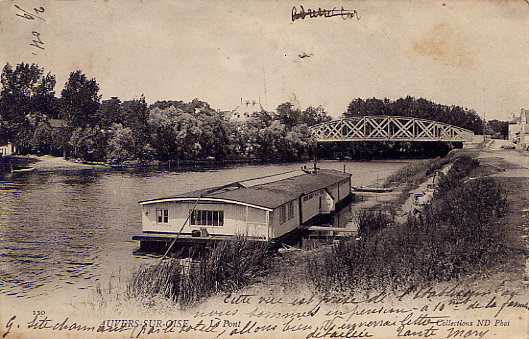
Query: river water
(71, 230)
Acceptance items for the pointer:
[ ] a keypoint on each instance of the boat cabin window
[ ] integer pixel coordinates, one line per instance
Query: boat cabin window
(283, 216)
(308, 197)
(290, 210)
(162, 215)
(207, 218)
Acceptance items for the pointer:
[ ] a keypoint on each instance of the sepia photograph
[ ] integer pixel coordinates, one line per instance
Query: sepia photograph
(264, 169)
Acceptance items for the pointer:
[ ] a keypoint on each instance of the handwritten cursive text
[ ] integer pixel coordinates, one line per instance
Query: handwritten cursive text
(302, 13)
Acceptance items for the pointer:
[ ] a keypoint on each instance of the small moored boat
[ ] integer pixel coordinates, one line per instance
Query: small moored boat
(23, 169)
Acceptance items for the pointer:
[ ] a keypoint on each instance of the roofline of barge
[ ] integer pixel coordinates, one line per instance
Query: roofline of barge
(176, 199)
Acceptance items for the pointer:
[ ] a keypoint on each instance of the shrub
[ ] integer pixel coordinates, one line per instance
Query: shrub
(370, 222)
(460, 168)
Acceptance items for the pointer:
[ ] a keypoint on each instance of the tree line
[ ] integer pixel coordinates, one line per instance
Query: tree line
(417, 108)
(78, 124)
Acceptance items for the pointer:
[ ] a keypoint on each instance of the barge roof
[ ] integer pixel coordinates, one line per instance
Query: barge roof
(265, 192)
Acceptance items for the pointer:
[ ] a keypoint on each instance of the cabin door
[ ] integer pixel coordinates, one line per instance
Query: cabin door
(326, 203)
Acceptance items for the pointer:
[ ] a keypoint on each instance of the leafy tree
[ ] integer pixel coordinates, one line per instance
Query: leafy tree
(89, 143)
(188, 132)
(238, 140)
(360, 107)
(164, 104)
(121, 144)
(194, 107)
(314, 115)
(197, 106)
(299, 140)
(277, 143)
(109, 112)
(25, 91)
(42, 138)
(43, 99)
(214, 137)
(418, 108)
(59, 141)
(288, 115)
(135, 115)
(269, 141)
(162, 122)
(499, 129)
(176, 134)
(3, 130)
(263, 117)
(80, 100)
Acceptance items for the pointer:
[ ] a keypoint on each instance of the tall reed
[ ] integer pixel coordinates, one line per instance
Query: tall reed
(230, 264)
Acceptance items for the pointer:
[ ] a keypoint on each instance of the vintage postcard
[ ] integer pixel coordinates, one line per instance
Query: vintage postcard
(264, 169)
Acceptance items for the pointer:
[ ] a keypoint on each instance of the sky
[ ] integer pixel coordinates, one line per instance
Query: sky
(471, 53)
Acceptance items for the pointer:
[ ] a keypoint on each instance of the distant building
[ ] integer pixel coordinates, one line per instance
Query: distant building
(245, 110)
(7, 149)
(519, 130)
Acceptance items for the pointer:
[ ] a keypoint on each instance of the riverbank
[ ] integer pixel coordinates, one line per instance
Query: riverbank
(46, 163)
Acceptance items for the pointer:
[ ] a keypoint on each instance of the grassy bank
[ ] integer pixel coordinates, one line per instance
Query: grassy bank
(229, 265)
(416, 172)
(458, 234)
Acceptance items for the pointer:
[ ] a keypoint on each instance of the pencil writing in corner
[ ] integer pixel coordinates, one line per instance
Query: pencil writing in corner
(37, 42)
(29, 16)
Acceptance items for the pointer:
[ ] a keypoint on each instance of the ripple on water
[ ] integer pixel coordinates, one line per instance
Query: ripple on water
(80, 263)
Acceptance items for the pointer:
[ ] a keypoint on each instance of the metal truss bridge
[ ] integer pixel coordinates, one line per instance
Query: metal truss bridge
(388, 128)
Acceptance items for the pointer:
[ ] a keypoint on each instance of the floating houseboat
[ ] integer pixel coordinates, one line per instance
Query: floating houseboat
(264, 209)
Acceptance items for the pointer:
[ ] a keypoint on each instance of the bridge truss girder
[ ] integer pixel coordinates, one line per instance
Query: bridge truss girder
(388, 128)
